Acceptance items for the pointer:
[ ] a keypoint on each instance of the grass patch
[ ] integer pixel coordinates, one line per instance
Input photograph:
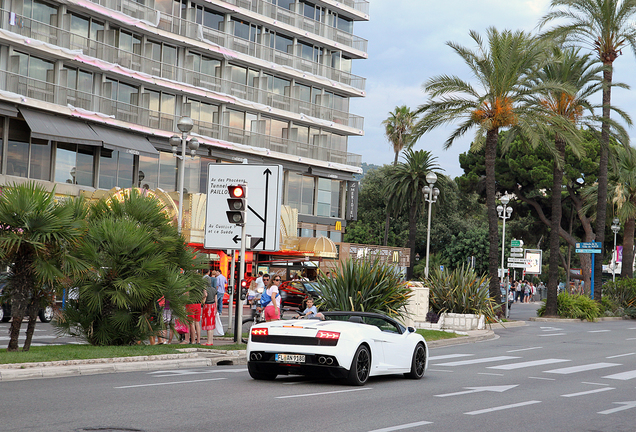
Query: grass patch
(84, 352)
(433, 335)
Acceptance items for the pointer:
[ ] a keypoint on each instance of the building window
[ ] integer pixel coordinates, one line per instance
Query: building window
(2, 119)
(335, 236)
(245, 30)
(323, 197)
(40, 159)
(40, 11)
(74, 164)
(115, 169)
(167, 171)
(148, 175)
(18, 149)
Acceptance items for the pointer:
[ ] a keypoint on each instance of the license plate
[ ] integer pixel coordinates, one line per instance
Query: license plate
(290, 358)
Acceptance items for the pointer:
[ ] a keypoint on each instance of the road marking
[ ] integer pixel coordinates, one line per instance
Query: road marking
(630, 339)
(169, 373)
(479, 360)
(598, 331)
(623, 376)
(583, 393)
(401, 427)
(620, 355)
(447, 356)
(626, 405)
(524, 349)
(581, 368)
(469, 390)
(491, 374)
(543, 378)
(439, 370)
(522, 365)
(503, 407)
(591, 383)
(552, 334)
(169, 383)
(551, 329)
(323, 393)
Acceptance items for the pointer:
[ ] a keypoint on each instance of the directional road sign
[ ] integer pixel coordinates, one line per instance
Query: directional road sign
(516, 243)
(264, 190)
(589, 245)
(518, 265)
(516, 249)
(517, 255)
(519, 260)
(590, 251)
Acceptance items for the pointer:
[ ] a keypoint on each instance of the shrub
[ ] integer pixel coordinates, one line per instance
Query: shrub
(365, 286)
(461, 291)
(574, 306)
(621, 292)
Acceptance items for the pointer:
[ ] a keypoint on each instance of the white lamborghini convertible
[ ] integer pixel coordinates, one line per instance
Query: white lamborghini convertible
(351, 345)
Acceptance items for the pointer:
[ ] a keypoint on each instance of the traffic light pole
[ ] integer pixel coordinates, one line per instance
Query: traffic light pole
(232, 286)
(238, 324)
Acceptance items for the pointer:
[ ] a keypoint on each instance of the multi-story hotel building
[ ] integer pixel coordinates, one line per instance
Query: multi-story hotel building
(92, 90)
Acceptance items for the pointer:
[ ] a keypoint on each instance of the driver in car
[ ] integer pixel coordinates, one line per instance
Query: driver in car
(310, 311)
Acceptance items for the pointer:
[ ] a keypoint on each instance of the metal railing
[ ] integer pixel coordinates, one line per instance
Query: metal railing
(61, 95)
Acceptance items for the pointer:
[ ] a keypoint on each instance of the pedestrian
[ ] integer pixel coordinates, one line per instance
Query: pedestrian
(221, 285)
(526, 292)
(518, 292)
(166, 334)
(194, 313)
(208, 311)
(272, 309)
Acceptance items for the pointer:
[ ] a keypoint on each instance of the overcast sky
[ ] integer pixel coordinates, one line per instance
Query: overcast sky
(407, 45)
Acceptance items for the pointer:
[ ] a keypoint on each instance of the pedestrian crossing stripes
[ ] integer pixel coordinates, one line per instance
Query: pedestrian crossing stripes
(448, 356)
(623, 376)
(582, 368)
(583, 393)
(521, 365)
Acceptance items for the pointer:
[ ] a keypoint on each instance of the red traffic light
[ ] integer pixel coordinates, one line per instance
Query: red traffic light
(237, 191)
(243, 283)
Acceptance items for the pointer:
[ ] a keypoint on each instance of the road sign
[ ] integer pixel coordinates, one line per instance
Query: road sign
(535, 258)
(517, 255)
(516, 249)
(518, 265)
(589, 245)
(516, 243)
(518, 260)
(264, 190)
(590, 251)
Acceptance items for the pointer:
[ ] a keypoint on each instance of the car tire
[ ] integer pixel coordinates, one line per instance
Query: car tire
(260, 375)
(1, 314)
(6, 317)
(418, 363)
(360, 367)
(46, 314)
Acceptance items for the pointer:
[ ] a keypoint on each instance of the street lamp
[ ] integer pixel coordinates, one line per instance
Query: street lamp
(504, 213)
(616, 226)
(184, 125)
(430, 196)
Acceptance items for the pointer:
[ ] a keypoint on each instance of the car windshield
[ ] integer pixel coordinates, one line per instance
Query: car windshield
(381, 323)
(312, 288)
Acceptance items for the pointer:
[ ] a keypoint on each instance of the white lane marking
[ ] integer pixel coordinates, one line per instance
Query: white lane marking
(583, 393)
(542, 378)
(439, 370)
(551, 328)
(630, 339)
(479, 360)
(582, 368)
(524, 349)
(491, 374)
(469, 390)
(598, 331)
(591, 383)
(623, 376)
(620, 355)
(162, 374)
(323, 393)
(503, 407)
(626, 405)
(512, 366)
(169, 383)
(401, 427)
(552, 334)
(632, 328)
(447, 356)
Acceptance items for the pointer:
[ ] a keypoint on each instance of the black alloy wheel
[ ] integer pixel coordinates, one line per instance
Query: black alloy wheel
(418, 363)
(360, 367)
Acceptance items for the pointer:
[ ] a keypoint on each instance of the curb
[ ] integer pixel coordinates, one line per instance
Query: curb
(576, 320)
(483, 335)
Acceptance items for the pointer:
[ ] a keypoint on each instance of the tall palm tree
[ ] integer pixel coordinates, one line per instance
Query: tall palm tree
(397, 128)
(622, 192)
(503, 67)
(404, 191)
(581, 73)
(605, 27)
(36, 237)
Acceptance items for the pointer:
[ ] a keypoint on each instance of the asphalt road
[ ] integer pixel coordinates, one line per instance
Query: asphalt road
(541, 377)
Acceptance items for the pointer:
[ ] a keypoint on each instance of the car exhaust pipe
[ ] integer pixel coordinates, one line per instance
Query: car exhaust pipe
(329, 360)
(256, 356)
(322, 360)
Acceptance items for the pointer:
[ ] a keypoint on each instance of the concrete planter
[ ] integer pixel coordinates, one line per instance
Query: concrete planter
(462, 322)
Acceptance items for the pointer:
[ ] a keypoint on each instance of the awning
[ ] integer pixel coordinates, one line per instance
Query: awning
(330, 173)
(8, 110)
(55, 128)
(115, 139)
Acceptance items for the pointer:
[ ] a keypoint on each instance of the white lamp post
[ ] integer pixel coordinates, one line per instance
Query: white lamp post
(616, 227)
(184, 125)
(430, 195)
(504, 213)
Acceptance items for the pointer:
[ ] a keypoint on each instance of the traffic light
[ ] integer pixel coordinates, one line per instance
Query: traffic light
(243, 289)
(237, 204)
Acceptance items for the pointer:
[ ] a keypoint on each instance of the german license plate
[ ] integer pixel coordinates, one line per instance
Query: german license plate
(290, 358)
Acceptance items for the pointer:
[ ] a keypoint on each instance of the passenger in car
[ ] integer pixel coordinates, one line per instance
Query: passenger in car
(310, 311)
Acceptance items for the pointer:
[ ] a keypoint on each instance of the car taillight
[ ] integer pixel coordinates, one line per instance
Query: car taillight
(259, 332)
(328, 335)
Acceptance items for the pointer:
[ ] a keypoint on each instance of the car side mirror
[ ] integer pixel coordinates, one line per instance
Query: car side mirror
(411, 329)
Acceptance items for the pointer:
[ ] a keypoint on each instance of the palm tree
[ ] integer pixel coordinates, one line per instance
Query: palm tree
(503, 67)
(605, 27)
(581, 74)
(622, 192)
(397, 129)
(404, 191)
(37, 235)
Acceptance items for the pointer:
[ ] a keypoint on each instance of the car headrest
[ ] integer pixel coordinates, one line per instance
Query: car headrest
(356, 319)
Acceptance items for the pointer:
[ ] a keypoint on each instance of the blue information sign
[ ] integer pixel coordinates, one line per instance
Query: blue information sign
(589, 245)
(590, 251)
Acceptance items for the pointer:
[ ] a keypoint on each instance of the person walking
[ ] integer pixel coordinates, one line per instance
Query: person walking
(272, 309)
(208, 313)
(194, 313)
(221, 285)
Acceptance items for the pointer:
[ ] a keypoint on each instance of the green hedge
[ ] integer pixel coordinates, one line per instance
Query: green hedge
(574, 306)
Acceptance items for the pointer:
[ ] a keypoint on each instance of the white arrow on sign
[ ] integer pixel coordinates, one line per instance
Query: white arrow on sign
(626, 405)
(469, 390)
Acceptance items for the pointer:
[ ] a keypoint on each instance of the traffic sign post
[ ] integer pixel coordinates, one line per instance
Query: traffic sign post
(591, 248)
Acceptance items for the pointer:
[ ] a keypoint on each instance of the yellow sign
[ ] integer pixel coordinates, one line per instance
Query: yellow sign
(396, 256)
(338, 226)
